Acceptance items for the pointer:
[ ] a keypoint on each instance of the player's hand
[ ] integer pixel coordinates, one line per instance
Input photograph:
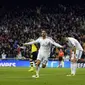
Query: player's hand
(74, 60)
(24, 44)
(64, 46)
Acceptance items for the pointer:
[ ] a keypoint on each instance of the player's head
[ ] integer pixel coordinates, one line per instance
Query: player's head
(44, 33)
(65, 42)
(65, 39)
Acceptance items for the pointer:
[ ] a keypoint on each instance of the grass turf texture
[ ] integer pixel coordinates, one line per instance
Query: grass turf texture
(48, 76)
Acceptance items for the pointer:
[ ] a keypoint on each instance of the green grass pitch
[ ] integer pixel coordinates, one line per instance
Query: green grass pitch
(48, 76)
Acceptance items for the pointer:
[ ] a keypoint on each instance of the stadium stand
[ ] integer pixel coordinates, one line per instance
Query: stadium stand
(18, 25)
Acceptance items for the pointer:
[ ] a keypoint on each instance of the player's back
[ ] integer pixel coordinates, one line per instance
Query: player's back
(75, 43)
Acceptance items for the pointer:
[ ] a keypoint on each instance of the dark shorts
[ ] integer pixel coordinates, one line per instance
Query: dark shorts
(60, 58)
(34, 55)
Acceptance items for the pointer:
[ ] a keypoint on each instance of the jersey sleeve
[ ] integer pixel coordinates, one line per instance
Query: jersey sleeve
(33, 42)
(54, 43)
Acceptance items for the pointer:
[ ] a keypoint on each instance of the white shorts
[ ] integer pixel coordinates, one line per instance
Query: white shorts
(43, 58)
(78, 54)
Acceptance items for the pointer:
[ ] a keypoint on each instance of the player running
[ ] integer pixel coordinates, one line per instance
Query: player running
(44, 50)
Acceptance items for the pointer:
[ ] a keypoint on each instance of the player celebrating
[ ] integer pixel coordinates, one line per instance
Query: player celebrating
(44, 50)
(75, 53)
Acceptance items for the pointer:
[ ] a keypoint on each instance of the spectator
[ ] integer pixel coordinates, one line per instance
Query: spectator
(60, 57)
(3, 55)
(24, 24)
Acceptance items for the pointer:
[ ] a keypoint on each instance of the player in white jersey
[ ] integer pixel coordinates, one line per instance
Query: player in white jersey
(75, 53)
(44, 50)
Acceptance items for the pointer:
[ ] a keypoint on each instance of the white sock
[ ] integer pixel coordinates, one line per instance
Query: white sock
(37, 71)
(73, 68)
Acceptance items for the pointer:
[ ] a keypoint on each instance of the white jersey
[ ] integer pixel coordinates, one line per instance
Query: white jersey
(73, 42)
(45, 44)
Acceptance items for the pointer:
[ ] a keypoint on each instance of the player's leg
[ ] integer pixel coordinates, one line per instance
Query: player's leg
(33, 60)
(73, 64)
(31, 63)
(37, 69)
(71, 68)
(74, 68)
(38, 61)
(78, 56)
(44, 61)
(35, 57)
(31, 66)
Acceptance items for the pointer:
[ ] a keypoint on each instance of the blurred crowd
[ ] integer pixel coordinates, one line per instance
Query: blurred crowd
(19, 25)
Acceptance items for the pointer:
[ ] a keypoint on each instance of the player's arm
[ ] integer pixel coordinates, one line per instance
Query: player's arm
(22, 47)
(74, 49)
(33, 42)
(56, 44)
(70, 53)
(30, 43)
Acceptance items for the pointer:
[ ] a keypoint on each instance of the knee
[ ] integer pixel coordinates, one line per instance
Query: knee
(43, 66)
(37, 63)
